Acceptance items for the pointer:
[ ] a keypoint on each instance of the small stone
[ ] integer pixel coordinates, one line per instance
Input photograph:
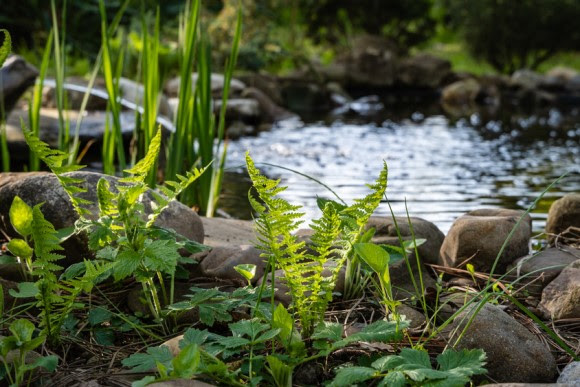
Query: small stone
(545, 265)
(561, 298)
(415, 317)
(479, 236)
(228, 232)
(571, 374)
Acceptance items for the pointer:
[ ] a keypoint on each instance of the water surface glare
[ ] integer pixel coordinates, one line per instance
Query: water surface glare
(442, 170)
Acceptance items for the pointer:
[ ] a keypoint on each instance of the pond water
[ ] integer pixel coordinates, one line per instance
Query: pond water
(442, 168)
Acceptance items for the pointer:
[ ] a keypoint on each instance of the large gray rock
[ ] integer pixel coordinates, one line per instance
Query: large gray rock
(561, 298)
(130, 91)
(571, 374)
(16, 75)
(269, 110)
(242, 109)
(221, 261)
(461, 93)
(480, 234)
(40, 187)
(423, 70)
(545, 265)
(564, 213)
(221, 232)
(386, 233)
(514, 354)
(171, 87)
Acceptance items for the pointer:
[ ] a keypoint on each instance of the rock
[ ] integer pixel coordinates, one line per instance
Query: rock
(545, 265)
(16, 75)
(564, 74)
(372, 63)
(386, 233)
(480, 234)
(269, 110)
(415, 317)
(239, 129)
(36, 188)
(564, 213)
(571, 374)
(561, 297)
(304, 96)
(423, 71)
(171, 87)
(173, 345)
(11, 272)
(240, 109)
(461, 93)
(76, 87)
(514, 354)
(92, 129)
(267, 84)
(220, 263)
(526, 79)
(228, 232)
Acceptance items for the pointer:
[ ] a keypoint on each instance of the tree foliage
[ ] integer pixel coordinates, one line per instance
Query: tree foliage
(517, 34)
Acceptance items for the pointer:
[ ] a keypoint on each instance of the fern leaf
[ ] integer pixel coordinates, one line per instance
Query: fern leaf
(54, 159)
(46, 242)
(140, 171)
(106, 198)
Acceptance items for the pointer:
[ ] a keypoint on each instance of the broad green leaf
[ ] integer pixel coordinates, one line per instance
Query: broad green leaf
(349, 376)
(280, 371)
(247, 270)
(393, 379)
(21, 216)
(251, 328)
(99, 315)
(379, 331)
(145, 362)
(33, 344)
(268, 335)
(49, 363)
(328, 331)
(387, 363)
(422, 374)
(161, 255)
(25, 290)
(464, 362)
(374, 256)
(143, 382)
(6, 46)
(127, 263)
(414, 358)
(185, 364)
(22, 329)
(410, 246)
(289, 336)
(20, 248)
(104, 336)
(194, 336)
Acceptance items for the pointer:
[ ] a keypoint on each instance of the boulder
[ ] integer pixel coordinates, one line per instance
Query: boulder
(304, 96)
(463, 92)
(371, 63)
(221, 261)
(564, 74)
(171, 87)
(479, 236)
(76, 88)
(514, 354)
(571, 374)
(16, 75)
(561, 297)
(40, 187)
(545, 265)
(228, 232)
(240, 109)
(238, 129)
(423, 71)
(386, 233)
(564, 213)
(266, 83)
(269, 110)
(526, 79)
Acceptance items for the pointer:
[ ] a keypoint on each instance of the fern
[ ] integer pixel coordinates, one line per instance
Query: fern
(55, 160)
(335, 233)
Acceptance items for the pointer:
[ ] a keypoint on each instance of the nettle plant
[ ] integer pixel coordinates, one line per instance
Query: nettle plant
(120, 235)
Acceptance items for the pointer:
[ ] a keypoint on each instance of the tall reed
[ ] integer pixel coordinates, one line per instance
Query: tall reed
(197, 140)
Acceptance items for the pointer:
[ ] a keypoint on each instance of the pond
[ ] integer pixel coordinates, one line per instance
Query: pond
(441, 167)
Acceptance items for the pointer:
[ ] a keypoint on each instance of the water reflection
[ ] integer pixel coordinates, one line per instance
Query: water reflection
(440, 167)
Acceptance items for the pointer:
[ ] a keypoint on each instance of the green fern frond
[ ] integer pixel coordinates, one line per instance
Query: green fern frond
(55, 160)
(141, 170)
(106, 199)
(46, 242)
(171, 190)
